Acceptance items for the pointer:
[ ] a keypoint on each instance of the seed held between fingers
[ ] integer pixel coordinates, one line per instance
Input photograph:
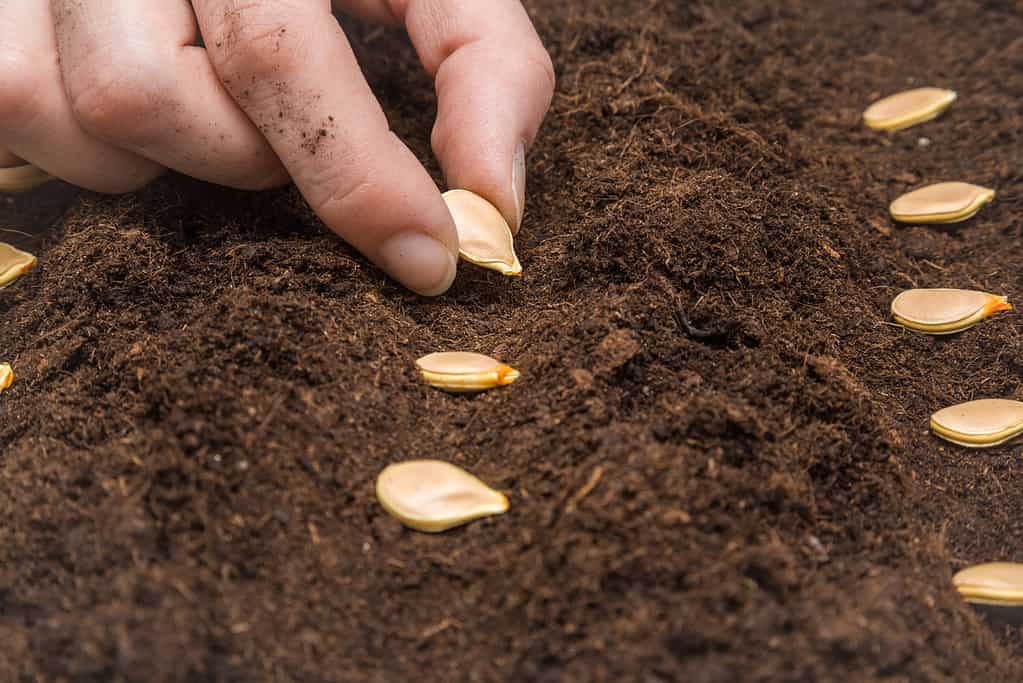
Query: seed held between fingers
(908, 108)
(941, 203)
(484, 237)
(24, 178)
(433, 496)
(14, 263)
(461, 371)
(979, 424)
(6, 376)
(945, 311)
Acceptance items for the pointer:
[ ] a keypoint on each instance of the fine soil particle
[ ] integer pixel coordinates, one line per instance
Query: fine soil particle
(717, 456)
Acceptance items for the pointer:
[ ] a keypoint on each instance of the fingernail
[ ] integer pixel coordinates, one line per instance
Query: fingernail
(419, 262)
(519, 185)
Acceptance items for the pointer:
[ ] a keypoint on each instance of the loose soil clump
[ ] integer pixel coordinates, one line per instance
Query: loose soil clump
(717, 457)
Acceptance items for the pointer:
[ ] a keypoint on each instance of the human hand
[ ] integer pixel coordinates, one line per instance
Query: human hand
(107, 93)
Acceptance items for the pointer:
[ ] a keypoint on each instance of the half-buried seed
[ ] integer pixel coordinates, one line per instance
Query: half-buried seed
(432, 495)
(13, 264)
(22, 178)
(941, 203)
(979, 424)
(6, 376)
(994, 587)
(484, 237)
(945, 311)
(908, 108)
(461, 372)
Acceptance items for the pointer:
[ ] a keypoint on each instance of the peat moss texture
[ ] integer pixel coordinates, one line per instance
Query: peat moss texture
(719, 468)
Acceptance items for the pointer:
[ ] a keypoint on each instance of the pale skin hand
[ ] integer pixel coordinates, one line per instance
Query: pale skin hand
(106, 94)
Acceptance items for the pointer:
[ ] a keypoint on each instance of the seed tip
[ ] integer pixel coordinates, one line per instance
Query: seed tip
(997, 305)
(507, 375)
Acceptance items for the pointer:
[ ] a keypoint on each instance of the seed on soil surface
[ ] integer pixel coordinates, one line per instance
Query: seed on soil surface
(995, 588)
(6, 376)
(979, 424)
(941, 203)
(22, 178)
(13, 264)
(908, 108)
(461, 372)
(999, 582)
(484, 237)
(945, 311)
(432, 495)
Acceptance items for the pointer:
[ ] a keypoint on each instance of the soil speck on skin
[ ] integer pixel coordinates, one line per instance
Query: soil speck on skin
(208, 383)
(313, 141)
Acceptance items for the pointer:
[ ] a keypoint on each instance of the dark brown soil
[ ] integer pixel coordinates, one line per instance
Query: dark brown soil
(208, 384)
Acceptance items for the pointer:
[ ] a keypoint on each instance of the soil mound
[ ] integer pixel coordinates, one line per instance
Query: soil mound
(717, 457)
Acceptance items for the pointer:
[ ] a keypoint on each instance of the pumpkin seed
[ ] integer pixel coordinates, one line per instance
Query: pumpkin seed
(484, 237)
(945, 311)
(23, 178)
(941, 203)
(14, 263)
(994, 588)
(432, 495)
(460, 371)
(908, 108)
(997, 582)
(979, 424)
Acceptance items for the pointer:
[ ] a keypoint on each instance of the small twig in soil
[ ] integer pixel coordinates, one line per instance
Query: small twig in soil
(934, 265)
(270, 414)
(634, 77)
(720, 331)
(471, 419)
(443, 625)
(587, 488)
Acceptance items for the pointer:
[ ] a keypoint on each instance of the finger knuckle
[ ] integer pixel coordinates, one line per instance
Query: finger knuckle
(118, 99)
(349, 193)
(253, 41)
(349, 183)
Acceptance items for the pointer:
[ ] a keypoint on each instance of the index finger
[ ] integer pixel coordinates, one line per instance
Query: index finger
(494, 82)
(289, 66)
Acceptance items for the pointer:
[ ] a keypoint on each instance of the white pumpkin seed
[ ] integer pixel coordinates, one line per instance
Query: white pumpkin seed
(979, 424)
(14, 263)
(432, 495)
(484, 237)
(908, 108)
(993, 581)
(941, 203)
(995, 588)
(945, 311)
(23, 178)
(460, 371)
